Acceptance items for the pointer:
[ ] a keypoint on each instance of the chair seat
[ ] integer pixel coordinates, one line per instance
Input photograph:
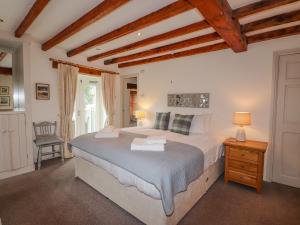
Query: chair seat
(48, 140)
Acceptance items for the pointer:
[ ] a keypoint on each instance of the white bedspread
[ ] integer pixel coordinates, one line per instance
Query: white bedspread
(209, 144)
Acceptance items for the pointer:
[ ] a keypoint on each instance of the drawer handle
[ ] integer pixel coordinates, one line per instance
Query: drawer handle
(242, 166)
(243, 155)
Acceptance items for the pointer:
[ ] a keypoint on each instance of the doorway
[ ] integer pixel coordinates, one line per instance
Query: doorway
(89, 114)
(130, 95)
(286, 165)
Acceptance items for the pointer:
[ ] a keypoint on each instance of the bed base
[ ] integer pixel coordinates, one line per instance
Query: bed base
(143, 207)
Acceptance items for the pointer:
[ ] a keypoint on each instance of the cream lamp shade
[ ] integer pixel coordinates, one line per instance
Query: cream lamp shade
(242, 118)
(139, 114)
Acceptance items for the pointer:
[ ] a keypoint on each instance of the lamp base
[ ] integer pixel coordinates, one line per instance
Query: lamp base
(240, 134)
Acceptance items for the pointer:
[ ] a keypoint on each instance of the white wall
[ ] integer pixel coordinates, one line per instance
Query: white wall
(236, 82)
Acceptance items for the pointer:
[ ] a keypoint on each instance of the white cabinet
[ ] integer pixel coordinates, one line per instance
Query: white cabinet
(13, 145)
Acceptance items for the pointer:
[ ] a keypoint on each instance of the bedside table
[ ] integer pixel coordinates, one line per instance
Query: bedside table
(244, 162)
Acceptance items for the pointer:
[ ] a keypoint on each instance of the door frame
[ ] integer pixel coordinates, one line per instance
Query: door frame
(271, 149)
(122, 81)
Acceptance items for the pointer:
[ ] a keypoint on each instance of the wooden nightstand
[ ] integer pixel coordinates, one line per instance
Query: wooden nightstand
(244, 162)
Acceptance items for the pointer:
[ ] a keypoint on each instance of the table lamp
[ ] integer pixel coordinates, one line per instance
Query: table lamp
(140, 115)
(242, 119)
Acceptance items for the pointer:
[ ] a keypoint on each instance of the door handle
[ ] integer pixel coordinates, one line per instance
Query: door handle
(4, 131)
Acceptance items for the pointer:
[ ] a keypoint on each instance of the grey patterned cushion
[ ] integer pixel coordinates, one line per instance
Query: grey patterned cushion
(182, 123)
(162, 121)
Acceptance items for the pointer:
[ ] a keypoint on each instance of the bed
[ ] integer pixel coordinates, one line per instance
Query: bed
(143, 199)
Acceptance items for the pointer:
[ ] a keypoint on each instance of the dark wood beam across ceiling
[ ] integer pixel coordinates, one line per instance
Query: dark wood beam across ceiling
(259, 6)
(166, 12)
(101, 10)
(218, 14)
(238, 13)
(253, 26)
(33, 13)
(166, 48)
(152, 40)
(272, 21)
(285, 32)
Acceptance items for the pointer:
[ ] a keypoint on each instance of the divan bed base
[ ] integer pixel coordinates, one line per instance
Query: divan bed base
(147, 209)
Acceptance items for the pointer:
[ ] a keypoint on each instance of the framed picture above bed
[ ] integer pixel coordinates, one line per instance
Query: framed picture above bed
(42, 91)
(192, 100)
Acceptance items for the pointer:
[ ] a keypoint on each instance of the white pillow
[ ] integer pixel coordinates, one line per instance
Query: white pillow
(201, 124)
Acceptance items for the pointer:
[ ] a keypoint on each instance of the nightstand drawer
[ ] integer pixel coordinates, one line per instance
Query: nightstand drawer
(242, 178)
(245, 167)
(243, 155)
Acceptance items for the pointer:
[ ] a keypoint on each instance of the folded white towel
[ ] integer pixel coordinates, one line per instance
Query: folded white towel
(140, 144)
(156, 140)
(103, 134)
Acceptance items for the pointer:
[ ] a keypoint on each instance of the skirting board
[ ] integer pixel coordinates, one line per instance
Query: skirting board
(13, 173)
(143, 207)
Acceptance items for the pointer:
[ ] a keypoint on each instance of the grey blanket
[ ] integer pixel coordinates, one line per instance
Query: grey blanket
(170, 171)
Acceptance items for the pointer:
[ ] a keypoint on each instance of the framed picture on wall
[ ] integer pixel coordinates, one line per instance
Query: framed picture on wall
(4, 101)
(4, 90)
(42, 91)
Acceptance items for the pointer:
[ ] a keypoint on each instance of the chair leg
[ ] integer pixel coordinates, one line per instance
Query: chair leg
(61, 152)
(53, 151)
(39, 158)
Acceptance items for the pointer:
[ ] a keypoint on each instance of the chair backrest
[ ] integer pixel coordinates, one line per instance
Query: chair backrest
(44, 129)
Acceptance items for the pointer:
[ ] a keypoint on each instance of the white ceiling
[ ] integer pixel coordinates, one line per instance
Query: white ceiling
(60, 13)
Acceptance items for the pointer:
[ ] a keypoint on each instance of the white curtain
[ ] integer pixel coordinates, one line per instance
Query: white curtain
(108, 93)
(67, 87)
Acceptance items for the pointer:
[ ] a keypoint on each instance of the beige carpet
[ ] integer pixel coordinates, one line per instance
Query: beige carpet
(52, 196)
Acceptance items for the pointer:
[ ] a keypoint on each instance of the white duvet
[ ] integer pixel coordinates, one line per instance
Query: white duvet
(208, 144)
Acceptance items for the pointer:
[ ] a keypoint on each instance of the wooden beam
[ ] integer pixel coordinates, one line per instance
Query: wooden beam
(295, 30)
(33, 13)
(166, 48)
(2, 55)
(285, 32)
(195, 51)
(152, 18)
(101, 10)
(259, 6)
(272, 21)
(152, 40)
(5, 71)
(82, 69)
(218, 14)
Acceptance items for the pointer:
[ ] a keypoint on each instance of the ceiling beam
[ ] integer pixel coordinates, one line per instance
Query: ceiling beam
(259, 6)
(272, 21)
(152, 18)
(152, 40)
(238, 13)
(195, 51)
(166, 48)
(101, 10)
(33, 13)
(218, 14)
(285, 32)
(5, 71)
(2, 55)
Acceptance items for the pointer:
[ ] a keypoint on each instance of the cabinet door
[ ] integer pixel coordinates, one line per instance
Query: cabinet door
(5, 155)
(22, 140)
(14, 141)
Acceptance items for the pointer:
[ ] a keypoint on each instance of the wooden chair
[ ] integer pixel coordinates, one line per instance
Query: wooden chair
(45, 136)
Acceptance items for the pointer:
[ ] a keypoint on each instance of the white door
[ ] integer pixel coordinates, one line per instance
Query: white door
(286, 168)
(89, 111)
(5, 156)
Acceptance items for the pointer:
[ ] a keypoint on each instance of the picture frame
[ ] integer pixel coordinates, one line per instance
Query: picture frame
(189, 100)
(42, 91)
(4, 90)
(4, 100)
